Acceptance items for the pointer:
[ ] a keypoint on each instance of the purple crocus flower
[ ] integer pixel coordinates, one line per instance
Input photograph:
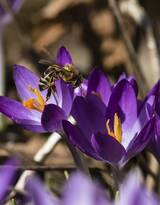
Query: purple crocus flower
(152, 103)
(109, 128)
(34, 110)
(8, 174)
(5, 16)
(79, 190)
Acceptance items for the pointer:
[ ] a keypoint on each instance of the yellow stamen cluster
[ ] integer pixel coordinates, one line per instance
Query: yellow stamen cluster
(35, 104)
(117, 132)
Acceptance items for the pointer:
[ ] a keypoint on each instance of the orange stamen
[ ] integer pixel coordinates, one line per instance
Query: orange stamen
(35, 104)
(117, 133)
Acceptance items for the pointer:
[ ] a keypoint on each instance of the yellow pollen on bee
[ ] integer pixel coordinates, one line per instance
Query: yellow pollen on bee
(117, 133)
(35, 104)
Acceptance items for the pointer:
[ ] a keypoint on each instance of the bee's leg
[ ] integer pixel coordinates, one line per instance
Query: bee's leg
(48, 94)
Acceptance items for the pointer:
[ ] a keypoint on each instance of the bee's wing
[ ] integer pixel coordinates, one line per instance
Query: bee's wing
(45, 62)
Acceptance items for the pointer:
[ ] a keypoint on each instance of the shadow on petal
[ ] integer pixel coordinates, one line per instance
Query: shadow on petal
(52, 117)
(78, 139)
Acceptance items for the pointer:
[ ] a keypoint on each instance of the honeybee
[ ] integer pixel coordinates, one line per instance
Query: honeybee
(70, 75)
(67, 73)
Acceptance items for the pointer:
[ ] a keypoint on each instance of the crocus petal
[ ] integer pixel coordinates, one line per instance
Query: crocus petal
(131, 80)
(154, 144)
(8, 175)
(82, 89)
(108, 148)
(78, 139)
(121, 77)
(52, 117)
(123, 102)
(24, 78)
(80, 190)
(63, 57)
(147, 110)
(140, 141)
(99, 84)
(89, 114)
(155, 90)
(38, 194)
(132, 192)
(129, 189)
(32, 126)
(144, 116)
(67, 97)
(15, 110)
(19, 114)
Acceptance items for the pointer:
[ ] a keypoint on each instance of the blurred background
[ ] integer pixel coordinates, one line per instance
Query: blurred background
(115, 36)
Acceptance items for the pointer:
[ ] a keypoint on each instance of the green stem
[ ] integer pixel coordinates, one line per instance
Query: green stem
(116, 173)
(78, 157)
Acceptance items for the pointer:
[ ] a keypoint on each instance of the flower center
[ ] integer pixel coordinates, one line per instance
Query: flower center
(117, 130)
(35, 104)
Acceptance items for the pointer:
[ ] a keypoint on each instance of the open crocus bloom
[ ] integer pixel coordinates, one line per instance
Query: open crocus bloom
(5, 16)
(114, 133)
(34, 111)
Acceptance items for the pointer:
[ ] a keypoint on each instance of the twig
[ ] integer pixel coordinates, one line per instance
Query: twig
(40, 156)
(154, 167)
(59, 167)
(153, 52)
(136, 70)
(2, 73)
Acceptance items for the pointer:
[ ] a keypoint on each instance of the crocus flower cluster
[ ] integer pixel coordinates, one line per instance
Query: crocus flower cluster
(80, 190)
(112, 125)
